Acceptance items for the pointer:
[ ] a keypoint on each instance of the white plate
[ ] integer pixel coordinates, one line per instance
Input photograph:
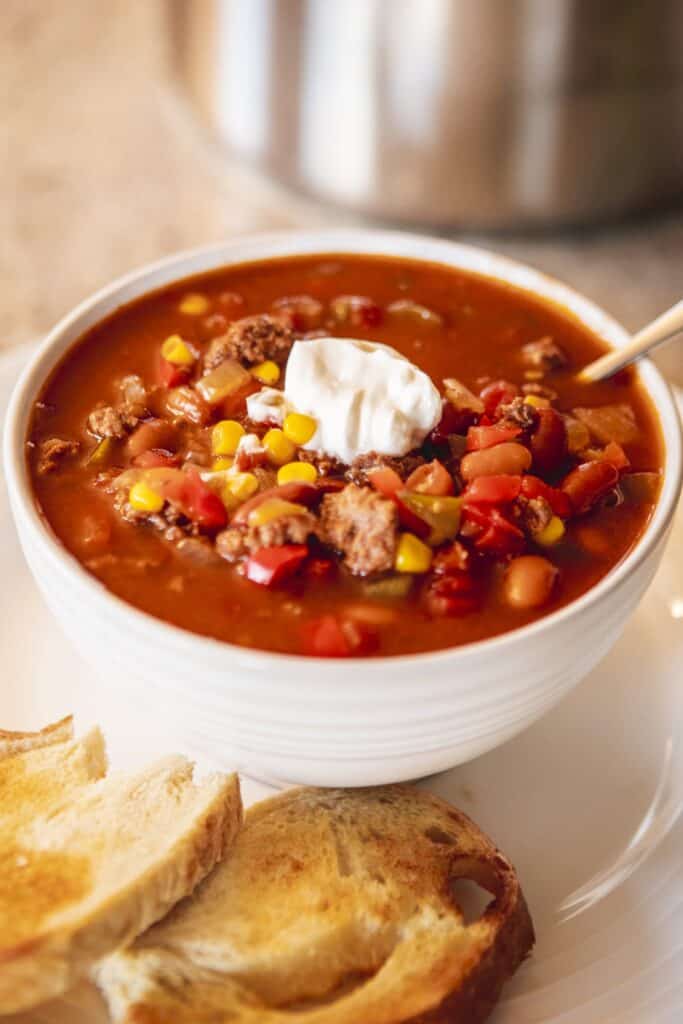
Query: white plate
(576, 801)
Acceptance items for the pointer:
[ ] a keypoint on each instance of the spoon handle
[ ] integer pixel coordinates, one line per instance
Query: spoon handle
(661, 329)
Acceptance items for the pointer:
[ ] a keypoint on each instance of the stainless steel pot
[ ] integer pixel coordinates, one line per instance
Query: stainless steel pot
(476, 113)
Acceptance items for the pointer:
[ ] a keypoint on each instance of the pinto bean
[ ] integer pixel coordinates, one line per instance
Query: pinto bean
(185, 403)
(529, 581)
(508, 458)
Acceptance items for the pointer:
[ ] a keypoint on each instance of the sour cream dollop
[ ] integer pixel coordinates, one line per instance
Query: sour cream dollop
(364, 396)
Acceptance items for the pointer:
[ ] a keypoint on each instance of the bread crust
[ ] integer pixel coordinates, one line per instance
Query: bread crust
(62, 828)
(19, 742)
(393, 856)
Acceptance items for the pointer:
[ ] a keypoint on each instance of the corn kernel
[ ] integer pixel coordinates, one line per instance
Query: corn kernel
(267, 373)
(412, 555)
(144, 499)
(176, 351)
(273, 508)
(242, 486)
(194, 304)
(279, 447)
(225, 437)
(537, 401)
(297, 471)
(552, 534)
(222, 463)
(299, 428)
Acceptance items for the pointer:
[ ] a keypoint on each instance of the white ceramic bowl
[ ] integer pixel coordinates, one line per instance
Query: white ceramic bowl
(311, 720)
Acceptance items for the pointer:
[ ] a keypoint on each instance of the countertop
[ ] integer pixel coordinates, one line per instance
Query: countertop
(104, 169)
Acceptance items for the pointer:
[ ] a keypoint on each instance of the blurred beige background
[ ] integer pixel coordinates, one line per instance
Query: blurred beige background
(102, 169)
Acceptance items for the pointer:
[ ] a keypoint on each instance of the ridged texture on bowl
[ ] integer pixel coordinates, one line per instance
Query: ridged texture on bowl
(338, 728)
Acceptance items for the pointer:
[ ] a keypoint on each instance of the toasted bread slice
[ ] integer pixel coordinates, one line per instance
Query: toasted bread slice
(332, 907)
(87, 863)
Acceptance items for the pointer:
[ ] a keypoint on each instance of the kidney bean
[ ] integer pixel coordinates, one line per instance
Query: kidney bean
(529, 581)
(152, 434)
(587, 483)
(509, 458)
(548, 443)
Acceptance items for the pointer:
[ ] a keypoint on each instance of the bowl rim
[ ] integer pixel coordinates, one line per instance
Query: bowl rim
(325, 242)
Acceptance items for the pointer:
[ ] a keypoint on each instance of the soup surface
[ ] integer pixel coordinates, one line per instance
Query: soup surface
(204, 452)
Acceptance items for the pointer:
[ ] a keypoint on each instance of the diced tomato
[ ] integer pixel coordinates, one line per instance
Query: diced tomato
(196, 500)
(386, 481)
(332, 636)
(453, 421)
(171, 376)
(487, 437)
(586, 484)
(534, 487)
(493, 490)
(548, 443)
(496, 534)
(432, 478)
(616, 456)
(500, 392)
(155, 458)
(270, 566)
(452, 594)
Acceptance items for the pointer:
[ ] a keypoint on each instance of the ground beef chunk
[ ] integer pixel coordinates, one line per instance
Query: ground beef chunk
(533, 514)
(116, 421)
(106, 422)
(357, 473)
(250, 341)
(363, 526)
(52, 452)
(170, 523)
(544, 354)
(237, 541)
(231, 544)
(326, 465)
(518, 413)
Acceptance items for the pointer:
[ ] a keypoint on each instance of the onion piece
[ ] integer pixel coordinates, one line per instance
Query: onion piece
(228, 378)
(409, 310)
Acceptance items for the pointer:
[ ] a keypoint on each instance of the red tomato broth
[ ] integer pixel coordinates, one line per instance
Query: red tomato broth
(484, 325)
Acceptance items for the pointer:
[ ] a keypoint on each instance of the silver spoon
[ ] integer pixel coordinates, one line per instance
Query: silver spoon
(662, 329)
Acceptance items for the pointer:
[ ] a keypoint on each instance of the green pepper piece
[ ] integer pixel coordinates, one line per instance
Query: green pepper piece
(442, 514)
